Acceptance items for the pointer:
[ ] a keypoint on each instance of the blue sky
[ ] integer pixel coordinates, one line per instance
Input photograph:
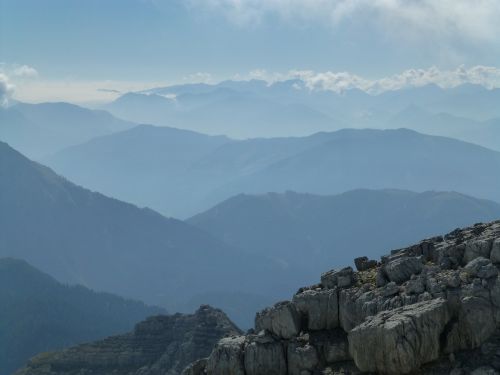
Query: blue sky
(127, 42)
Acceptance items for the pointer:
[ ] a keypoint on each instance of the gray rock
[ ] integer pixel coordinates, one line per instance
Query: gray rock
(320, 308)
(481, 267)
(332, 345)
(337, 278)
(415, 286)
(227, 357)
(477, 248)
(301, 358)
(265, 358)
(390, 289)
(401, 269)
(196, 368)
(474, 324)
(363, 263)
(381, 278)
(282, 319)
(495, 251)
(399, 341)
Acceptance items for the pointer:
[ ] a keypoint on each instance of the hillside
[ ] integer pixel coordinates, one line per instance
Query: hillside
(158, 345)
(323, 163)
(41, 129)
(39, 314)
(306, 231)
(431, 308)
(82, 237)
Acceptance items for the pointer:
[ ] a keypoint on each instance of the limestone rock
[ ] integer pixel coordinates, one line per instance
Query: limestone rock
(301, 358)
(331, 345)
(400, 270)
(474, 324)
(475, 248)
(337, 278)
(282, 319)
(227, 357)
(319, 308)
(399, 341)
(495, 251)
(481, 267)
(363, 263)
(265, 358)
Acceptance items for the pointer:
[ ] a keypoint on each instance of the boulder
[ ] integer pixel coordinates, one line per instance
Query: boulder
(301, 358)
(265, 357)
(338, 278)
(481, 267)
(401, 340)
(282, 319)
(364, 264)
(227, 357)
(319, 308)
(400, 270)
(477, 248)
(474, 323)
(415, 285)
(390, 289)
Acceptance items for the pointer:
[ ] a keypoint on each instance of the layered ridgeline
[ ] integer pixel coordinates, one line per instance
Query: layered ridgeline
(158, 345)
(431, 308)
(41, 129)
(39, 314)
(306, 231)
(216, 168)
(82, 237)
(249, 109)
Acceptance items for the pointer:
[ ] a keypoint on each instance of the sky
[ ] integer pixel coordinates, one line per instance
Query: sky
(91, 50)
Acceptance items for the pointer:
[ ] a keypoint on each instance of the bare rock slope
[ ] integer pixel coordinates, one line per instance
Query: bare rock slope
(431, 308)
(160, 345)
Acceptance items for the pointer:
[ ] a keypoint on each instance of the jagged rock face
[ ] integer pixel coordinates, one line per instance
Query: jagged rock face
(160, 345)
(415, 311)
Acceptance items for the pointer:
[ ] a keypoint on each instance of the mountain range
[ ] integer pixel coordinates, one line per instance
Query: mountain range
(306, 231)
(250, 109)
(158, 167)
(41, 129)
(82, 237)
(38, 314)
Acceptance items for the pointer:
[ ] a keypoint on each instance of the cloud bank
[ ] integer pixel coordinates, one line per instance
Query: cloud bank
(486, 76)
(472, 19)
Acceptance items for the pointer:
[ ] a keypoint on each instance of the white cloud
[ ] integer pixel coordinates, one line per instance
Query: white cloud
(25, 71)
(486, 76)
(471, 19)
(6, 90)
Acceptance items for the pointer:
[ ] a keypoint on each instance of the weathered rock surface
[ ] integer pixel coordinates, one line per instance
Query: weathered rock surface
(319, 309)
(160, 345)
(400, 340)
(431, 308)
(282, 319)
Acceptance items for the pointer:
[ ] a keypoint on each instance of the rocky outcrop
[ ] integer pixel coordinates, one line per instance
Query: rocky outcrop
(399, 340)
(160, 345)
(430, 308)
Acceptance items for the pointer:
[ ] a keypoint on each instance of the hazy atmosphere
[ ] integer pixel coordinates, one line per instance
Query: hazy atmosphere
(249, 187)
